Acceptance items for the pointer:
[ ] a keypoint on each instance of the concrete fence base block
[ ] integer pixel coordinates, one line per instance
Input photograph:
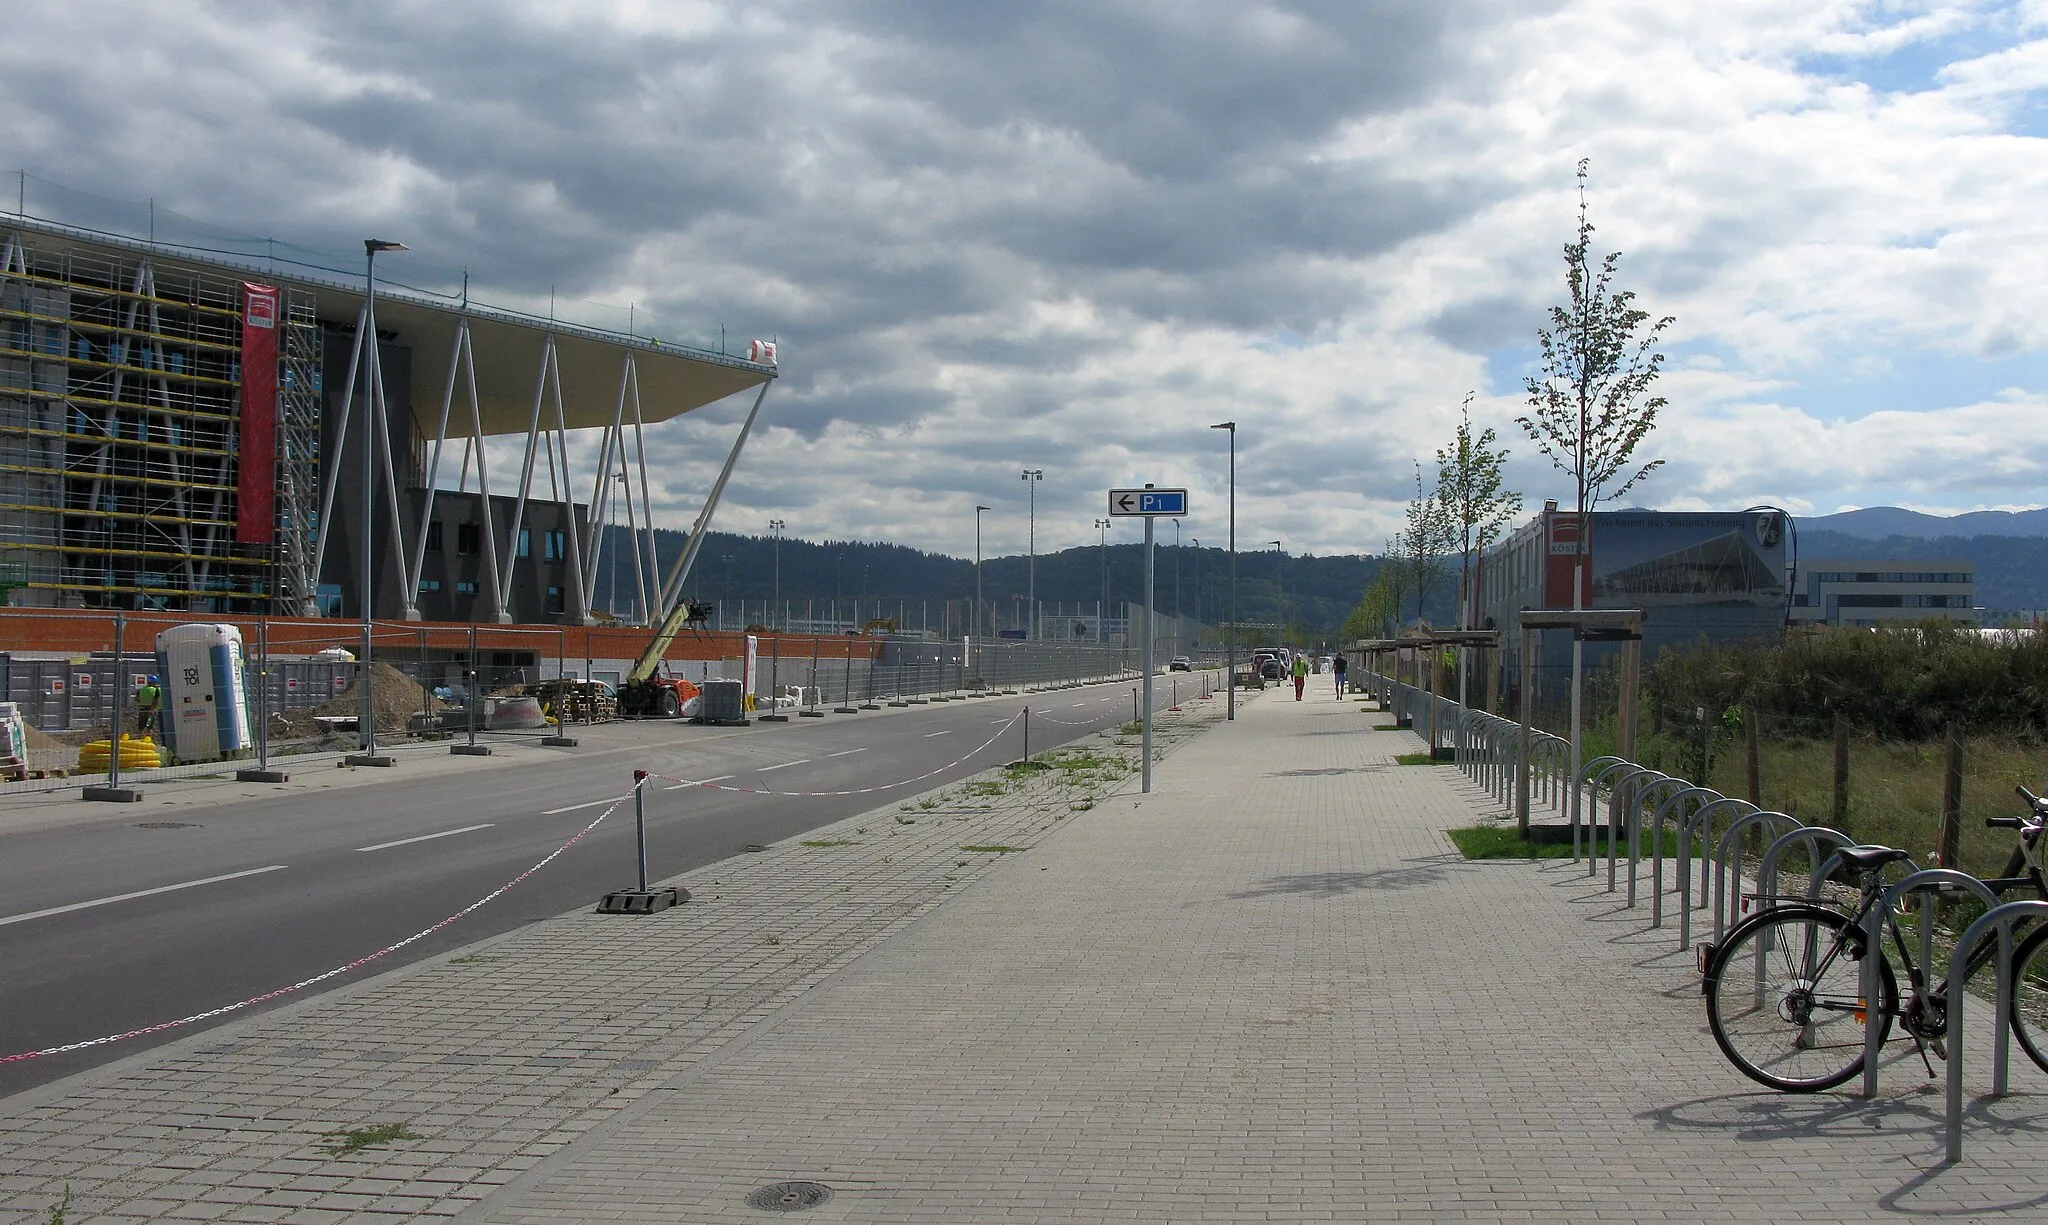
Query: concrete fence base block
(113, 795)
(634, 901)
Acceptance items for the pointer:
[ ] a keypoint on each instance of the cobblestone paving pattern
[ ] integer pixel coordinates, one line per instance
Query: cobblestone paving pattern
(500, 1055)
(1272, 991)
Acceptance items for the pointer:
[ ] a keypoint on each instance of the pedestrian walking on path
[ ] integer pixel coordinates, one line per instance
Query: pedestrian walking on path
(1300, 675)
(1337, 666)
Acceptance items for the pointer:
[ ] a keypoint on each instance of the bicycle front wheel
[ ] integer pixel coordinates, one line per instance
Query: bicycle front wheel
(2030, 996)
(1785, 998)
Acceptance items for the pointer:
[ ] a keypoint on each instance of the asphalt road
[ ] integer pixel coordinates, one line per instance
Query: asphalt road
(114, 921)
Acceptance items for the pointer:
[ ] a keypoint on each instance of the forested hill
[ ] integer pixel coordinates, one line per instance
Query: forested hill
(1319, 591)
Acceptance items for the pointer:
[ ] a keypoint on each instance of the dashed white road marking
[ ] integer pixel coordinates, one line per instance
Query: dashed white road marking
(123, 897)
(446, 833)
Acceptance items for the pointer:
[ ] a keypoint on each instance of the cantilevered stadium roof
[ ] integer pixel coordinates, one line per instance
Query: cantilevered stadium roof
(507, 345)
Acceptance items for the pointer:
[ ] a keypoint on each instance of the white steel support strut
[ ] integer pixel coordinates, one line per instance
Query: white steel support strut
(601, 488)
(382, 405)
(672, 589)
(483, 484)
(650, 602)
(311, 608)
(632, 533)
(579, 612)
(419, 557)
(540, 387)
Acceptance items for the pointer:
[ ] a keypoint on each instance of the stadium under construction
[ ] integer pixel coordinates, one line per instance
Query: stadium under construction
(175, 435)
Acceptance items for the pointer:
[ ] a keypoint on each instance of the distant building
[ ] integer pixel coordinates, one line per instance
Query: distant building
(1716, 575)
(1839, 591)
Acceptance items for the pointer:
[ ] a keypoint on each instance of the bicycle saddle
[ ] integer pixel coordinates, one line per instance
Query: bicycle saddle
(1869, 858)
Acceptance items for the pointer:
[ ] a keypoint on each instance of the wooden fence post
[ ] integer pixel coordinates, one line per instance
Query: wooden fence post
(1949, 846)
(1631, 689)
(1841, 811)
(1755, 779)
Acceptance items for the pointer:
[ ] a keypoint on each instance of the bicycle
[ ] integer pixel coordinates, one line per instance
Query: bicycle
(1784, 987)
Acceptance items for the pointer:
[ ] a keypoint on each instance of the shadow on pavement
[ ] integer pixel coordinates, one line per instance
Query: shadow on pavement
(1424, 872)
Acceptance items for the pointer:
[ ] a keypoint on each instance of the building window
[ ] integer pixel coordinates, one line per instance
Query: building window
(464, 588)
(468, 538)
(555, 545)
(554, 600)
(430, 584)
(526, 542)
(434, 536)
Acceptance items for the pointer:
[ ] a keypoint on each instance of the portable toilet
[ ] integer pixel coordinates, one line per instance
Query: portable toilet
(206, 700)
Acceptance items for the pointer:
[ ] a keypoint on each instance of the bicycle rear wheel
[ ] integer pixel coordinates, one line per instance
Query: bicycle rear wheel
(2030, 996)
(1785, 998)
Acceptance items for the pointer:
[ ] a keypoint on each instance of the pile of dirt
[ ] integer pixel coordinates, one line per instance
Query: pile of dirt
(394, 699)
(58, 752)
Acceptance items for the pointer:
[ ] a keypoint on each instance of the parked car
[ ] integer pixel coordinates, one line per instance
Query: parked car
(1180, 663)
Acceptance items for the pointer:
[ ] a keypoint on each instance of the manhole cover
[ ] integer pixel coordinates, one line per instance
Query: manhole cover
(166, 825)
(789, 1196)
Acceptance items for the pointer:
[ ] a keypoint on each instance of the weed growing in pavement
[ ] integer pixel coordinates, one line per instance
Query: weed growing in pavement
(1416, 759)
(906, 820)
(471, 960)
(771, 941)
(995, 849)
(985, 787)
(356, 1139)
(61, 1207)
(831, 842)
(1387, 727)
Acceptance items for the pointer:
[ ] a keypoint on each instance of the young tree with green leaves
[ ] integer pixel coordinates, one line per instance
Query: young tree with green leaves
(1429, 539)
(1468, 480)
(1590, 408)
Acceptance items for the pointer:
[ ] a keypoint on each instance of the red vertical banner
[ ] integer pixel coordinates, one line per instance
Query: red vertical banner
(1561, 542)
(256, 481)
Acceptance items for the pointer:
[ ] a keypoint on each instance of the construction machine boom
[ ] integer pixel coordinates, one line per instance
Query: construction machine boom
(645, 694)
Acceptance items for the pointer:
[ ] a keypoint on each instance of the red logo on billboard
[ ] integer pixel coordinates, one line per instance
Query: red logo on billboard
(1564, 533)
(259, 305)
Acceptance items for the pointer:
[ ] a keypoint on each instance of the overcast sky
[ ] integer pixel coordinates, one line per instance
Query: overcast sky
(1070, 236)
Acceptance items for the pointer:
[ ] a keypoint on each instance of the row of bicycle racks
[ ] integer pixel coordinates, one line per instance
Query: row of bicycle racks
(1788, 986)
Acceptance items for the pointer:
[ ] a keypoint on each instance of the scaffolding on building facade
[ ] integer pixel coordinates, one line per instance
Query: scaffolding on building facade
(141, 469)
(120, 388)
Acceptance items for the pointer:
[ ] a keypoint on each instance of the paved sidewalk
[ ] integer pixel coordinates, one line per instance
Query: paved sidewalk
(1270, 990)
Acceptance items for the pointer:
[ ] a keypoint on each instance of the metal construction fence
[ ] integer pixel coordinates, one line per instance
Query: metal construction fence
(431, 682)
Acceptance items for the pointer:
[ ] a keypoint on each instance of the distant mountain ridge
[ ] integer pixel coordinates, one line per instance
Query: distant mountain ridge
(1885, 522)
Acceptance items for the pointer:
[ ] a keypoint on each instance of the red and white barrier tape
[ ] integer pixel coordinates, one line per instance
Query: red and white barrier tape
(336, 972)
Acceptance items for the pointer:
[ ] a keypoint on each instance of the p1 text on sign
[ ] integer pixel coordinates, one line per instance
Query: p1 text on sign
(1151, 503)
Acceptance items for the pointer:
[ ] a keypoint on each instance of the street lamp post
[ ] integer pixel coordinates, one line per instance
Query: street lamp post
(1230, 632)
(1031, 478)
(1197, 543)
(977, 574)
(1280, 590)
(728, 595)
(1102, 608)
(373, 391)
(775, 528)
(1176, 588)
